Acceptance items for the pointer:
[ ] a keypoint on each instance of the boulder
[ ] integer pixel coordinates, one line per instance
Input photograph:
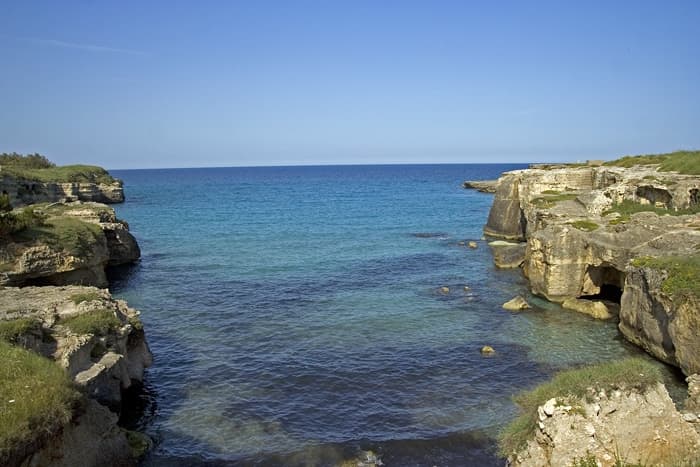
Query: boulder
(516, 304)
(596, 309)
(487, 350)
(507, 255)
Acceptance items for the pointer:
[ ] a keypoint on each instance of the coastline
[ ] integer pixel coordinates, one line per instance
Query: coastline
(58, 239)
(617, 242)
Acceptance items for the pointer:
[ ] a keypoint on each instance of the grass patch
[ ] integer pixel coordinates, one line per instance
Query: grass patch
(64, 233)
(98, 322)
(36, 397)
(628, 373)
(628, 207)
(683, 273)
(550, 200)
(12, 329)
(551, 192)
(79, 298)
(685, 162)
(35, 170)
(586, 226)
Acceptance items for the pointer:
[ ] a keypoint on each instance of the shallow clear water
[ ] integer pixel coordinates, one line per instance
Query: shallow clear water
(296, 318)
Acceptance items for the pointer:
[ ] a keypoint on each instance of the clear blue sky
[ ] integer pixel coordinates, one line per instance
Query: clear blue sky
(180, 84)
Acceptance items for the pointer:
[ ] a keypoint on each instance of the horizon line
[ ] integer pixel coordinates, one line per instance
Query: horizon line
(340, 165)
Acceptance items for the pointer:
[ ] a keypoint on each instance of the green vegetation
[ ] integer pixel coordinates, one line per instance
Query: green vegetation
(10, 330)
(628, 207)
(12, 222)
(571, 385)
(683, 274)
(38, 168)
(66, 233)
(30, 161)
(550, 200)
(98, 322)
(685, 162)
(78, 298)
(586, 226)
(136, 323)
(37, 397)
(139, 443)
(551, 192)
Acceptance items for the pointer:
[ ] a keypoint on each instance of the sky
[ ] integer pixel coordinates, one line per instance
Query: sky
(239, 83)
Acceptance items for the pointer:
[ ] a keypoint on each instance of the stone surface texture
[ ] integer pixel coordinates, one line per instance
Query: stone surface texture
(575, 248)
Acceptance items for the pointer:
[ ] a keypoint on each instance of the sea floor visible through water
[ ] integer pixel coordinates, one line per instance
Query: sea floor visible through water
(297, 317)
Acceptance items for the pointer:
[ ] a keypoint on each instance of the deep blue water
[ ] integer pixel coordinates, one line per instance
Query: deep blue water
(296, 317)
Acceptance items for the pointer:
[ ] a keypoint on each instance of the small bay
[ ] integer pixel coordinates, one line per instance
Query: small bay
(297, 316)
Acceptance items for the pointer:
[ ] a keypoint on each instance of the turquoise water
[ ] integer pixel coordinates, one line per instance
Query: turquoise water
(296, 317)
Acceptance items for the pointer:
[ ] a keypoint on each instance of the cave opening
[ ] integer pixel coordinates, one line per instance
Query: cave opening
(605, 283)
(608, 292)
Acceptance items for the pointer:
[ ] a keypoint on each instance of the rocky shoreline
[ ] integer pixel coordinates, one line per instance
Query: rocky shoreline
(54, 303)
(614, 242)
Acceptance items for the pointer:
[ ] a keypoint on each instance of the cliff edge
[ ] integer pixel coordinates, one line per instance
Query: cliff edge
(590, 232)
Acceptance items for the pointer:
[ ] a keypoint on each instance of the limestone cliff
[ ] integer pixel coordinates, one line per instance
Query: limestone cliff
(24, 192)
(101, 344)
(582, 227)
(613, 427)
(74, 246)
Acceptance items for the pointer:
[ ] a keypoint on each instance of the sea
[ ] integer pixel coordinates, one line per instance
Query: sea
(298, 317)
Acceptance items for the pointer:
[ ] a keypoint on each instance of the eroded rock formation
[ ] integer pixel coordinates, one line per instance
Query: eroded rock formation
(582, 229)
(103, 357)
(616, 425)
(81, 240)
(26, 192)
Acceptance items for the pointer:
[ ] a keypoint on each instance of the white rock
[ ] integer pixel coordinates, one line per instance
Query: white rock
(549, 406)
(690, 417)
(590, 431)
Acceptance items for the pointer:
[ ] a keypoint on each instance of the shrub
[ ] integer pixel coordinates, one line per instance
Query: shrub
(629, 373)
(99, 323)
(37, 398)
(10, 330)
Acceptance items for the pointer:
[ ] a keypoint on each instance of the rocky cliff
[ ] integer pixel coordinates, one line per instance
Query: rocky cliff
(74, 245)
(24, 192)
(613, 427)
(101, 345)
(583, 226)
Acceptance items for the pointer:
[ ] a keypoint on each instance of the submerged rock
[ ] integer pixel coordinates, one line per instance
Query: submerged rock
(487, 350)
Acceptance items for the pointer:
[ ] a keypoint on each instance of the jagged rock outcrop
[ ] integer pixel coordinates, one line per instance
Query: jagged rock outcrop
(78, 243)
(103, 363)
(634, 427)
(104, 355)
(25, 192)
(483, 186)
(664, 326)
(580, 244)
